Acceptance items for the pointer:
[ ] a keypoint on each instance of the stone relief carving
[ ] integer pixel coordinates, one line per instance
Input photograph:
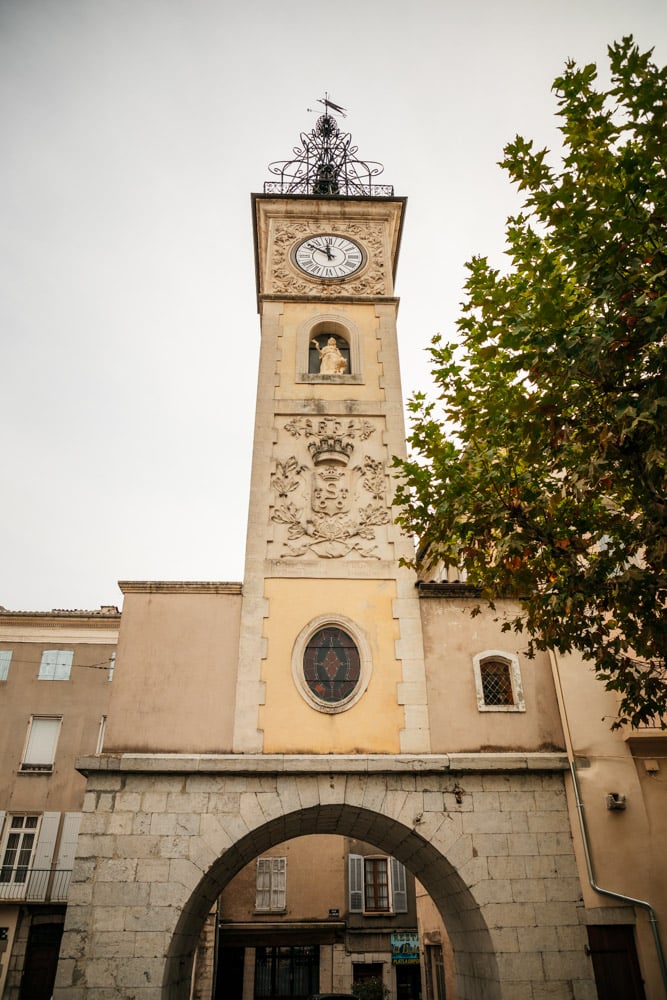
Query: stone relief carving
(330, 509)
(285, 278)
(330, 427)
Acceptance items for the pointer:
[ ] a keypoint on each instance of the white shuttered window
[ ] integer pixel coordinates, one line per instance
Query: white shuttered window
(56, 665)
(271, 884)
(5, 660)
(376, 885)
(40, 750)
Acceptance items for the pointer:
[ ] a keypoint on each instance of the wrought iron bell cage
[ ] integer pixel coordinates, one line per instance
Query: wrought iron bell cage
(326, 164)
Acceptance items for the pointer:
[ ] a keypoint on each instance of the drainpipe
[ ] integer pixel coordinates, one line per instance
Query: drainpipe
(584, 830)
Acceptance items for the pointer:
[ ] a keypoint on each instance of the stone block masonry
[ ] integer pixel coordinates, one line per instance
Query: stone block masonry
(487, 836)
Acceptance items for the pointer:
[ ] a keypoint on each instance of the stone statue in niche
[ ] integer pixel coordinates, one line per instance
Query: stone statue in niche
(332, 361)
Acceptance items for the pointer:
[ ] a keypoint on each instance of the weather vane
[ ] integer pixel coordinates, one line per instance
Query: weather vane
(326, 162)
(328, 103)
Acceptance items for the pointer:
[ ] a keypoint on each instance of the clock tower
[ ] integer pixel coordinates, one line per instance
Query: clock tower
(331, 657)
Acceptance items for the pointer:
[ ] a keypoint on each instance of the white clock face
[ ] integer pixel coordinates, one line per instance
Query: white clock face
(328, 256)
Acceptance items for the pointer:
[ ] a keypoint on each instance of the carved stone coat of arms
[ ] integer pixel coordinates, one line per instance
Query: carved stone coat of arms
(332, 507)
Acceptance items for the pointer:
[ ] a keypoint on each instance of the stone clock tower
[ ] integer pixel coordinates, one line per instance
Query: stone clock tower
(331, 657)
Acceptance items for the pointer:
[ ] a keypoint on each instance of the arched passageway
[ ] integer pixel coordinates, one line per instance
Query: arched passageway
(161, 838)
(475, 959)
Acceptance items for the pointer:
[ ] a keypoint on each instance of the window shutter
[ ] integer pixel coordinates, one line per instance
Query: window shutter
(101, 734)
(399, 887)
(56, 665)
(40, 751)
(278, 883)
(46, 841)
(263, 893)
(5, 659)
(66, 855)
(356, 880)
(68, 839)
(43, 856)
(3, 813)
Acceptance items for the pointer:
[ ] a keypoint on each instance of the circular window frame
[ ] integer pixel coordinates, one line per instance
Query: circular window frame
(365, 663)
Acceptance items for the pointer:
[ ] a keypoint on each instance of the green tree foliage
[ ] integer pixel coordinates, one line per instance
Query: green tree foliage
(371, 989)
(541, 467)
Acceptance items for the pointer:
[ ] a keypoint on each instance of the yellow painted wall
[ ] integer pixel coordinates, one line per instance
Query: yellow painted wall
(289, 723)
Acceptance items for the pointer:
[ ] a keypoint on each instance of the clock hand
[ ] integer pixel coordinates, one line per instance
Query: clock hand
(325, 249)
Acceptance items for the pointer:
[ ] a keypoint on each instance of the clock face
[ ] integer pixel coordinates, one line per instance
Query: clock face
(329, 256)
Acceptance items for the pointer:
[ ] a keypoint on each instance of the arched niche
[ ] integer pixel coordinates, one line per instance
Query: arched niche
(321, 329)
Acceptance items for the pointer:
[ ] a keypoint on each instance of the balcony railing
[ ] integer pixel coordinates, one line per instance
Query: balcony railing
(35, 885)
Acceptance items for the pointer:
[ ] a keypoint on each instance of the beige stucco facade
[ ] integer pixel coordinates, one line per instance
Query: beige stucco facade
(41, 803)
(176, 668)
(625, 845)
(453, 635)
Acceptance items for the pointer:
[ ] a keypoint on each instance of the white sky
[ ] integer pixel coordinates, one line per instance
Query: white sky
(133, 132)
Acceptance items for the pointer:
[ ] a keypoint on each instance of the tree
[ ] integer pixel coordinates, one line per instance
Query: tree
(370, 989)
(540, 468)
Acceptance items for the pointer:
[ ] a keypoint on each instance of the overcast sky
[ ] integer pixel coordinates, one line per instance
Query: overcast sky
(133, 132)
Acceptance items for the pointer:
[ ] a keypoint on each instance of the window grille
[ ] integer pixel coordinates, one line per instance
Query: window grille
(496, 683)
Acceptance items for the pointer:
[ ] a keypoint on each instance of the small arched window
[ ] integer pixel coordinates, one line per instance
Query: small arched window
(498, 682)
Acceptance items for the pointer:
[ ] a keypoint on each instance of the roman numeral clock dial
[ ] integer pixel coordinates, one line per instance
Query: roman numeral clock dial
(328, 256)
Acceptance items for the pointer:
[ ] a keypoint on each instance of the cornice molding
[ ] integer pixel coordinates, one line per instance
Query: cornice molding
(179, 587)
(333, 300)
(264, 764)
(449, 591)
(109, 620)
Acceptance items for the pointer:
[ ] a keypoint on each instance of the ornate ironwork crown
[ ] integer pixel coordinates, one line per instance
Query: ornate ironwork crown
(326, 163)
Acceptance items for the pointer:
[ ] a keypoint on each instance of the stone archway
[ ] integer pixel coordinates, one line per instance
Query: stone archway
(162, 837)
(449, 891)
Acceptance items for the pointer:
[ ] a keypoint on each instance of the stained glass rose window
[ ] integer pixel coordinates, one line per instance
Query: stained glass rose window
(331, 665)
